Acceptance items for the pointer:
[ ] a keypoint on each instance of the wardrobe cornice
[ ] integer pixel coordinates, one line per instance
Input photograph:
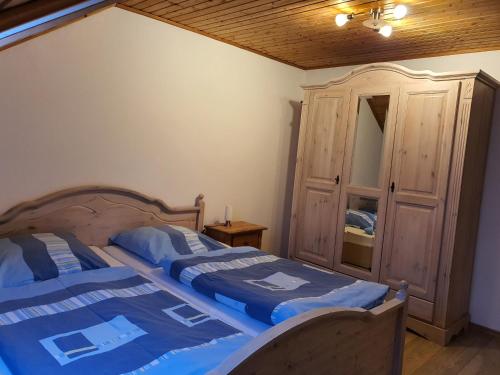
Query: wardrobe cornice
(413, 74)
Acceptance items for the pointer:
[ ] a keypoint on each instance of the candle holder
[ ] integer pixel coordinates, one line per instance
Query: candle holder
(228, 215)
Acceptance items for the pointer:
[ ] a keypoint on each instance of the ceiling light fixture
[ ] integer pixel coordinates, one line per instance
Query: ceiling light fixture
(386, 31)
(342, 18)
(400, 11)
(376, 21)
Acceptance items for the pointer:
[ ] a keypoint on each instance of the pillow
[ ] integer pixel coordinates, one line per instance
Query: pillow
(157, 243)
(28, 258)
(361, 219)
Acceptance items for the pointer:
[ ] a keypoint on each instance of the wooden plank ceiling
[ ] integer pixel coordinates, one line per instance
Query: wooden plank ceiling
(303, 32)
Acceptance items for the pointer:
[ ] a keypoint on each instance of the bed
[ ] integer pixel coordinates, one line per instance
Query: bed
(358, 247)
(265, 287)
(256, 283)
(359, 233)
(238, 320)
(112, 319)
(349, 340)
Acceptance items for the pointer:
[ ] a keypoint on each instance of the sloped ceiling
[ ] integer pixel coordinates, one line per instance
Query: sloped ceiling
(303, 32)
(21, 19)
(4, 4)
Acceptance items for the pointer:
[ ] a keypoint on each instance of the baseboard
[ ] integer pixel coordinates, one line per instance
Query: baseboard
(436, 334)
(485, 329)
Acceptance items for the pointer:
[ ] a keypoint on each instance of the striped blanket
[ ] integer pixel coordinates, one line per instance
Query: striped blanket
(269, 288)
(108, 321)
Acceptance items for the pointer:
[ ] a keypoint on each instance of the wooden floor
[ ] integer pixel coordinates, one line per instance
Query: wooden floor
(476, 352)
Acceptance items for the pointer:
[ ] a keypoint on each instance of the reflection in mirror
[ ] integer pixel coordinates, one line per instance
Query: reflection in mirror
(359, 231)
(369, 139)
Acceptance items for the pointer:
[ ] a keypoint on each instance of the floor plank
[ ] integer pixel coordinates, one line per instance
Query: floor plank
(476, 352)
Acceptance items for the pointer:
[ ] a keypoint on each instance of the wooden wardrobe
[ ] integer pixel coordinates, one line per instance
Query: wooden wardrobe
(388, 184)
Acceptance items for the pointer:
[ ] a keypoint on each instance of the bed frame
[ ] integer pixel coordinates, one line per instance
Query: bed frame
(94, 213)
(323, 341)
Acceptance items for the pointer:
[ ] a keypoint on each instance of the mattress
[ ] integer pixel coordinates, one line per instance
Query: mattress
(113, 262)
(228, 315)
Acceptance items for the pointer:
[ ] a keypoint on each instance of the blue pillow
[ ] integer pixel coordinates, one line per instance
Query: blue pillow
(361, 219)
(28, 258)
(168, 241)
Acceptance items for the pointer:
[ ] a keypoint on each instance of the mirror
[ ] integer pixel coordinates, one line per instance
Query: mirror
(359, 231)
(369, 140)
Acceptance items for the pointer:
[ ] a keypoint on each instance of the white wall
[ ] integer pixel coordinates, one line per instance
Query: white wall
(125, 100)
(485, 301)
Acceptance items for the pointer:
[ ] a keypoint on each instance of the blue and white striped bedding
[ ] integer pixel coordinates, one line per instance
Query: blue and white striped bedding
(156, 243)
(364, 220)
(110, 320)
(266, 287)
(28, 258)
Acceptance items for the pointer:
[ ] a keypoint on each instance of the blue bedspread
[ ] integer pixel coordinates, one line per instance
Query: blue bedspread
(269, 288)
(108, 321)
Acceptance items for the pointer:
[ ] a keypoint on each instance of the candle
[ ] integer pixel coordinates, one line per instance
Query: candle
(228, 215)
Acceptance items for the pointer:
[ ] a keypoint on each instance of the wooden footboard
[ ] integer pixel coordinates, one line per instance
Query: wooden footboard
(328, 341)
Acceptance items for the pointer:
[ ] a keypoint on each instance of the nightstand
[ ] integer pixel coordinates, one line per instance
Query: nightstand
(240, 233)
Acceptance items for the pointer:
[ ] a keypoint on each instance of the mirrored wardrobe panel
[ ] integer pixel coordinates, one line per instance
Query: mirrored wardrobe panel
(359, 232)
(369, 140)
(365, 182)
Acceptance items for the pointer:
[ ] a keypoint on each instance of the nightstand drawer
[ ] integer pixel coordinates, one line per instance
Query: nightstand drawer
(239, 233)
(247, 239)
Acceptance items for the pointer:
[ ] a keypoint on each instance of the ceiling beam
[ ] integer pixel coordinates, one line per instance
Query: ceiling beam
(4, 3)
(32, 10)
(37, 17)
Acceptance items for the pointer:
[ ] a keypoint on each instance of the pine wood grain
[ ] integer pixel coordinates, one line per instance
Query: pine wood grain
(434, 155)
(237, 227)
(95, 213)
(303, 32)
(240, 233)
(316, 217)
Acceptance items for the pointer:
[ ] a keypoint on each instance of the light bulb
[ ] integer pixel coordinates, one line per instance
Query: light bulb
(386, 30)
(400, 11)
(341, 19)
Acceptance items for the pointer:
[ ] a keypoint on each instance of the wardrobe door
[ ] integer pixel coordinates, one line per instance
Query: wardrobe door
(321, 169)
(419, 178)
(365, 181)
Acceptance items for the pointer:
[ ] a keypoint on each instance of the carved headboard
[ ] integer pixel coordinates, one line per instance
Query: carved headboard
(94, 213)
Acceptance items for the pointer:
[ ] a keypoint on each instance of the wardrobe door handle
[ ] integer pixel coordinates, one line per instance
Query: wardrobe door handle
(393, 186)
(337, 179)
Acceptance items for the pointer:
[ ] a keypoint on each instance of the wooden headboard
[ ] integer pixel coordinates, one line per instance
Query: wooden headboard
(94, 213)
